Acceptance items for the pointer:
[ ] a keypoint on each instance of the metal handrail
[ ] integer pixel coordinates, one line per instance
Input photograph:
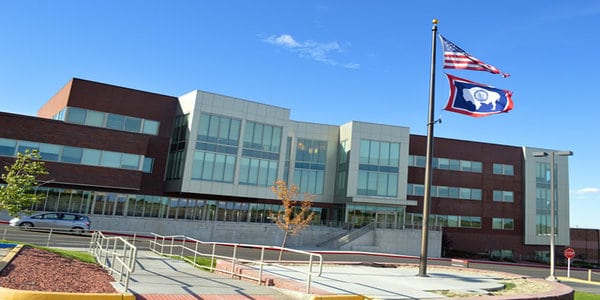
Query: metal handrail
(178, 245)
(116, 254)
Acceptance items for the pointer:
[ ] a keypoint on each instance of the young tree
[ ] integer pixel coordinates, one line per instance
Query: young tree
(17, 194)
(292, 219)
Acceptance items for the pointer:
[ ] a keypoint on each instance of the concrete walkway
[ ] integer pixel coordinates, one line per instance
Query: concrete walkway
(156, 277)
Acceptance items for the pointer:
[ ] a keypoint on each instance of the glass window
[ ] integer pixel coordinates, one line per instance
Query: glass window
(71, 155)
(95, 118)
(7, 147)
(25, 145)
(130, 161)
(114, 121)
(49, 152)
(148, 164)
(132, 124)
(110, 159)
(76, 115)
(150, 127)
(509, 170)
(90, 157)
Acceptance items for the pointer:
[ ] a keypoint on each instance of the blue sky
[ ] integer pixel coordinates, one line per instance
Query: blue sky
(329, 62)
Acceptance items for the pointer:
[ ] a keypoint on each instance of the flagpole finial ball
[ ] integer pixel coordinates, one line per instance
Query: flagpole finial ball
(435, 21)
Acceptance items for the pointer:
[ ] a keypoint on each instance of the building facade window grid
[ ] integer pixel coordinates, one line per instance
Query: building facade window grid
(446, 164)
(503, 196)
(132, 205)
(309, 167)
(378, 168)
(78, 155)
(414, 189)
(503, 169)
(94, 118)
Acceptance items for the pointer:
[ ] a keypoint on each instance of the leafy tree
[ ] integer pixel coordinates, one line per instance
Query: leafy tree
(17, 194)
(292, 219)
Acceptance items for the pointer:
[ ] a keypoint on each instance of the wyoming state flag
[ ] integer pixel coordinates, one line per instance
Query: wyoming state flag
(475, 99)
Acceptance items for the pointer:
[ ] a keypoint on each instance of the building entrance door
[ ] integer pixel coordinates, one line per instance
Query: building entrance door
(386, 219)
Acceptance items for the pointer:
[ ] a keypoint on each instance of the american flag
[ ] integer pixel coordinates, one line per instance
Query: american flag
(457, 58)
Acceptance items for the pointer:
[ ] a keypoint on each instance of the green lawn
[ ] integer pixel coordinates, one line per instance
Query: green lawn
(586, 296)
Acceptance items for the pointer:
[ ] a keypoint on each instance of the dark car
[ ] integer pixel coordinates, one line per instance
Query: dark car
(72, 222)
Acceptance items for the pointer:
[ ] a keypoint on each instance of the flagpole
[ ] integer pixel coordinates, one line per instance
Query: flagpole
(427, 192)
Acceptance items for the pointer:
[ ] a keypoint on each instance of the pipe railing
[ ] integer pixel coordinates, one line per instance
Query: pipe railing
(115, 254)
(247, 255)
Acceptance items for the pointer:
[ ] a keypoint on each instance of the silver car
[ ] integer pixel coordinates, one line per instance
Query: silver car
(72, 222)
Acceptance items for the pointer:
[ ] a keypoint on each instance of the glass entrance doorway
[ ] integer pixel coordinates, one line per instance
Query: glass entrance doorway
(386, 219)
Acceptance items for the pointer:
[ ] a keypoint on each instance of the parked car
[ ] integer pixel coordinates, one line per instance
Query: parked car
(72, 222)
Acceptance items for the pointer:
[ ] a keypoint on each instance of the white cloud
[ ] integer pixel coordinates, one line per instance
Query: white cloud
(283, 40)
(317, 51)
(589, 190)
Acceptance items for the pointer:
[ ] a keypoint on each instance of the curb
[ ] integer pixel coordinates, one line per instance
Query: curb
(10, 294)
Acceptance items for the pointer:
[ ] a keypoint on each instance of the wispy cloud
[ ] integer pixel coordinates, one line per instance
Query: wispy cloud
(588, 190)
(321, 52)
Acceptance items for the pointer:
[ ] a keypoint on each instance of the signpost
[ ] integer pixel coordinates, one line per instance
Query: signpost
(569, 253)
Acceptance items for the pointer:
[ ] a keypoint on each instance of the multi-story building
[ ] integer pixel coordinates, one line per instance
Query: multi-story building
(131, 155)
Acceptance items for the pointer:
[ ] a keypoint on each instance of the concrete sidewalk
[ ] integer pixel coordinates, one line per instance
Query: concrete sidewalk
(156, 277)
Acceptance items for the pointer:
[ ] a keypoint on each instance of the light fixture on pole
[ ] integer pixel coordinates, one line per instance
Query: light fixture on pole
(552, 154)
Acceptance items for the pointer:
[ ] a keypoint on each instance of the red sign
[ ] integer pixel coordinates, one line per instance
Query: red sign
(569, 253)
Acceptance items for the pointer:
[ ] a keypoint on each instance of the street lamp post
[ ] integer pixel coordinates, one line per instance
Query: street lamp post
(552, 213)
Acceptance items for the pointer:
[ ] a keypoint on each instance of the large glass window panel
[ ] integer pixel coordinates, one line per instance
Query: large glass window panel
(110, 159)
(72, 155)
(25, 145)
(209, 162)
(374, 153)
(198, 165)
(150, 127)
(7, 147)
(148, 164)
(392, 186)
(509, 224)
(76, 115)
(263, 172)
(229, 168)
(272, 172)
(234, 132)
(130, 161)
(213, 130)
(362, 182)
(257, 136)
(132, 124)
(49, 152)
(224, 130)
(267, 138)
(219, 167)
(454, 164)
(509, 170)
(453, 192)
(95, 118)
(384, 155)
(244, 170)
(90, 157)
(394, 154)
(276, 140)
(364, 151)
(115, 121)
(203, 127)
(248, 134)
